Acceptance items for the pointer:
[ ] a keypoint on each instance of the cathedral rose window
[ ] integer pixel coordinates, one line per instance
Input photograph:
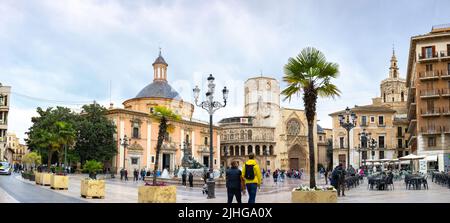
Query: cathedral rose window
(293, 127)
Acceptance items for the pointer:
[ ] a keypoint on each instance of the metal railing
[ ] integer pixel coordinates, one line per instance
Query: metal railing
(427, 56)
(444, 53)
(428, 74)
(430, 92)
(430, 111)
(445, 91)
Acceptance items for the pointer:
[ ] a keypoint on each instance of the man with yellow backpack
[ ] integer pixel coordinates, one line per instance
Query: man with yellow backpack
(252, 175)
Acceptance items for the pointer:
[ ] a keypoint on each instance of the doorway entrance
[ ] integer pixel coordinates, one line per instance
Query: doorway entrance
(166, 161)
(297, 158)
(206, 161)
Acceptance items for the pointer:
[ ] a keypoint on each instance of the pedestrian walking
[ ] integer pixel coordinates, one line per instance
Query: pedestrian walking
(338, 176)
(275, 177)
(122, 174)
(183, 178)
(191, 180)
(135, 175)
(125, 172)
(252, 175)
(143, 174)
(234, 182)
(327, 172)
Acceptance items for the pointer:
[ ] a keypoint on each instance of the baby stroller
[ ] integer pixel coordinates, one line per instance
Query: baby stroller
(205, 189)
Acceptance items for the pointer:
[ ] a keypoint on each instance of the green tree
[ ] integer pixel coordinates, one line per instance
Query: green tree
(164, 115)
(32, 159)
(51, 130)
(311, 74)
(95, 135)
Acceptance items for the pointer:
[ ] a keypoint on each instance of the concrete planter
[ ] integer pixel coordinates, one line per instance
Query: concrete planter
(59, 182)
(313, 196)
(157, 194)
(92, 188)
(37, 177)
(45, 179)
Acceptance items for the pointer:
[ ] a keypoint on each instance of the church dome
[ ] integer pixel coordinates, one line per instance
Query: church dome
(158, 89)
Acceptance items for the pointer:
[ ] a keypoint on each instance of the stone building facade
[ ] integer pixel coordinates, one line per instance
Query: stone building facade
(278, 136)
(428, 82)
(135, 121)
(5, 93)
(385, 120)
(16, 149)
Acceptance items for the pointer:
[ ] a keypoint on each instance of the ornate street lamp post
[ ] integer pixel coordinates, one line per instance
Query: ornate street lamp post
(348, 122)
(210, 106)
(372, 145)
(124, 142)
(363, 137)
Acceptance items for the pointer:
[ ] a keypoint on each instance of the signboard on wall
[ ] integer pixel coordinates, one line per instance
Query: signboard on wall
(423, 166)
(244, 120)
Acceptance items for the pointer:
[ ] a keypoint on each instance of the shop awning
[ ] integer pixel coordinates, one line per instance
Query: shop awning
(431, 158)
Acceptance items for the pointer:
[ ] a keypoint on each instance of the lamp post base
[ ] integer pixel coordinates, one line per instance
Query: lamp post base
(211, 185)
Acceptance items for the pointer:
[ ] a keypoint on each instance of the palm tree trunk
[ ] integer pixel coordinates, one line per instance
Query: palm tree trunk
(161, 136)
(49, 159)
(310, 99)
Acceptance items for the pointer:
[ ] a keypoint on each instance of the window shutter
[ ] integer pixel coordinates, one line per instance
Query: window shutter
(423, 52)
(433, 50)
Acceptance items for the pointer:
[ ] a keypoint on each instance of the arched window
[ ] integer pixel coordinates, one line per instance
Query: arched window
(257, 150)
(242, 150)
(265, 152)
(249, 133)
(403, 96)
(242, 134)
(231, 151)
(236, 150)
(249, 149)
(135, 130)
(270, 150)
(384, 97)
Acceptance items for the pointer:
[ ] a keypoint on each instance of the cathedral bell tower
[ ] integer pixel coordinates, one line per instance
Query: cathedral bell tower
(160, 68)
(393, 69)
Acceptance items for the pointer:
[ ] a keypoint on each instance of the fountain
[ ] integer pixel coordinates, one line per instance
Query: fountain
(165, 174)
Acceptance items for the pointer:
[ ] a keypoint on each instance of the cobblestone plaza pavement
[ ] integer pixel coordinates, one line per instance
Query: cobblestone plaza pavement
(15, 189)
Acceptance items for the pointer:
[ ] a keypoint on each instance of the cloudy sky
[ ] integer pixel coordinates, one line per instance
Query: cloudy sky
(68, 52)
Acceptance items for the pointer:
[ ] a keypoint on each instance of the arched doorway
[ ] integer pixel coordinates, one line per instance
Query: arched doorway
(297, 158)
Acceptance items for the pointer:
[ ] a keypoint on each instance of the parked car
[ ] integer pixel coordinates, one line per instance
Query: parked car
(5, 168)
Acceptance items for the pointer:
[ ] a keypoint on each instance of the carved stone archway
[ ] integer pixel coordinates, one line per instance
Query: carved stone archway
(297, 158)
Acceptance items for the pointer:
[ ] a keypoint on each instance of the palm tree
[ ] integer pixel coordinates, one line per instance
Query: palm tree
(163, 114)
(310, 73)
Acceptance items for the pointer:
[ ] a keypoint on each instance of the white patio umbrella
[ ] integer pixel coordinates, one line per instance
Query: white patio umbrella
(412, 157)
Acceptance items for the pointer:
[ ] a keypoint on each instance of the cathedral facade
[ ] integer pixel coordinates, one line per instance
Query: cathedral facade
(277, 135)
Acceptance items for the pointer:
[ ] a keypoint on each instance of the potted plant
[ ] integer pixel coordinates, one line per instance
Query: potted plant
(159, 192)
(305, 194)
(309, 74)
(91, 187)
(59, 180)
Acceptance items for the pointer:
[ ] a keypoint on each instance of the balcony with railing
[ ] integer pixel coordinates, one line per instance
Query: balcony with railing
(428, 57)
(446, 111)
(444, 55)
(430, 112)
(429, 75)
(431, 93)
(445, 74)
(445, 92)
(434, 130)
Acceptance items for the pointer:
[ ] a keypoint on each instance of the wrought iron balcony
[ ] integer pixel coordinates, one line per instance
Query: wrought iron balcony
(429, 93)
(428, 75)
(430, 112)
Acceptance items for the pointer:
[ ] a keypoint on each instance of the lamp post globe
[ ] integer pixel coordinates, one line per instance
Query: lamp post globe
(347, 120)
(210, 106)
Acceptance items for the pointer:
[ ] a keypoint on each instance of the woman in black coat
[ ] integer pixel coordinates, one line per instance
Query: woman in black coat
(235, 183)
(191, 180)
